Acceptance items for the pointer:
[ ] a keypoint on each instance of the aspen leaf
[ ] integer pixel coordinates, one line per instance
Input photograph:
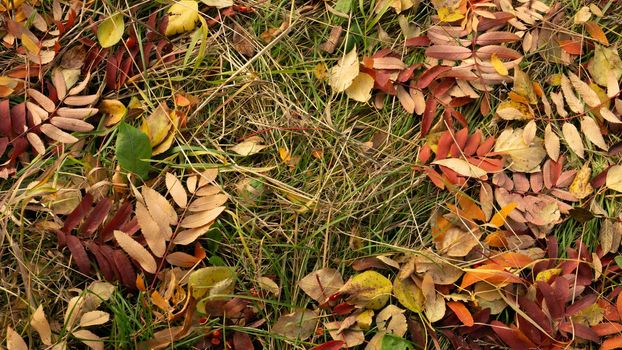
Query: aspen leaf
(136, 251)
(614, 178)
(462, 167)
(581, 186)
(520, 156)
(592, 132)
(110, 30)
(573, 139)
(321, 284)
(583, 15)
(605, 64)
(343, 74)
(368, 289)
(182, 18)
(360, 89)
(551, 143)
(408, 294)
(391, 320)
(115, 111)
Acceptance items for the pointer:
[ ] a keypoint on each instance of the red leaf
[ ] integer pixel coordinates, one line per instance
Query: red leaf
(426, 78)
(435, 177)
(102, 262)
(74, 218)
(554, 305)
(78, 253)
(460, 101)
(599, 180)
(486, 146)
(571, 46)
(419, 41)
(513, 337)
(428, 116)
(425, 153)
(607, 328)
(18, 118)
(579, 330)
(444, 143)
(464, 315)
(97, 216)
(331, 345)
(242, 341)
(612, 343)
(5, 118)
(122, 215)
(343, 308)
(448, 52)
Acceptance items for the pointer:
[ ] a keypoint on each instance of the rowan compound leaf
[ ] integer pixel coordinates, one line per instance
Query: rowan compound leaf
(151, 230)
(408, 294)
(462, 167)
(110, 31)
(14, 341)
(551, 143)
(40, 324)
(592, 132)
(158, 206)
(132, 148)
(529, 133)
(368, 289)
(176, 190)
(614, 178)
(360, 89)
(605, 65)
(136, 251)
(589, 96)
(94, 318)
(89, 338)
(321, 284)
(573, 139)
(182, 17)
(202, 218)
(296, 325)
(343, 74)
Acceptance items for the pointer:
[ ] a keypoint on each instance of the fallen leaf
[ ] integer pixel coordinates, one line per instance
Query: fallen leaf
(462, 312)
(551, 143)
(218, 3)
(110, 31)
(350, 337)
(573, 139)
(89, 338)
(408, 294)
(583, 15)
(269, 285)
(360, 88)
(250, 146)
(40, 324)
(299, 324)
(605, 64)
(94, 318)
(321, 284)
(614, 178)
(392, 320)
(498, 65)
(368, 289)
(521, 157)
(347, 69)
(136, 251)
(14, 341)
(205, 280)
(592, 132)
(462, 167)
(182, 17)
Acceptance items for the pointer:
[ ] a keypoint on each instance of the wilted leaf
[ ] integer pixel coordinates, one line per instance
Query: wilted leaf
(360, 88)
(182, 17)
(408, 294)
(110, 30)
(368, 289)
(614, 178)
(204, 280)
(269, 285)
(392, 320)
(321, 284)
(299, 324)
(14, 341)
(343, 74)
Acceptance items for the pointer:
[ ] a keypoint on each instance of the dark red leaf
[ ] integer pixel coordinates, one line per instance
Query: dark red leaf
(579, 330)
(242, 341)
(514, 338)
(121, 217)
(78, 253)
(124, 268)
(102, 262)
(97, 216)
(18, 118)
(419, 41)
(5, 118)
(343, 308)
(428, 116)
(234, 307)
(331, 345)
(580, 305)
(460, 101)
(74, 218)
(556, 307)
(4, 142)
(599, 180)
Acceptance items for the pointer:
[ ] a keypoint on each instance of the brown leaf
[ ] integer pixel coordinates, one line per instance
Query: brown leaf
(297, 325)
(589, 96)
(40, 324)
(551, 143)
(573, 139)
(176, 189)
(182, 259)
(242, 42)
(188, 236)
(71, 124)
(14, 341)
(208, 202)
(158, 206)
(321, 284)
(136, 251)
(333, 40)
(150, 230)
(571, 99)
(36, 142)
(76, 113)
(202, 218)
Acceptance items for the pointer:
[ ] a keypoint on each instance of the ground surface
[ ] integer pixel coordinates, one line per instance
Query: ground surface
(391, 174)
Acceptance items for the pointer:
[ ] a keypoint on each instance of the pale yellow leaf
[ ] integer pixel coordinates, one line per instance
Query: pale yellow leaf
(115, 111)
(176, 190)
(592, 132)
(14, 341)
(605, 65)
(57, 134)
(346, 70)
(136, 251)
(551, 143)
(249, 146)
(182, 17)
(571, 99)
(408, 294)
(360, 88)
(596, 10)
(94, 318)
(40, 324)
(498, 65)
(583, 15)
(151, 230)
(558, 100)
(529, 133)
(573, 139)
(71, 124)
(89, 338)
(614, 178)
(462, 167)
(608, 115)
(269, 285)
(110, 31)
(589, 96)
(159, 207)
(521, 157)
(202, 218)
(512, 110)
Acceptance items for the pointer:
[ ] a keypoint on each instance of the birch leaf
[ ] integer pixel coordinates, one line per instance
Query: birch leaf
(573, 139)
(182, 18)
(520, 156)
(110, 31)
(343, 74)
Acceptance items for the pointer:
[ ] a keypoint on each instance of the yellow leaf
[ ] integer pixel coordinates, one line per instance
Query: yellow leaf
(446, 14)
(360, 89)
(30, 45)
(581, 186)
(110, 30)
(499, 218)
(347, 69)
(368, 289)
(115, 110)
(212, 279)
(546, 275)
(408, 294)
(512, 110)
(182, 17)
(498, 65)
(364, 319)
(614, 178)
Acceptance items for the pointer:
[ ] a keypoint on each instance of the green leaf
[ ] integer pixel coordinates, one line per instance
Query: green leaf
(132, 148)
(392, 342)
(619, 260)
(110, 30)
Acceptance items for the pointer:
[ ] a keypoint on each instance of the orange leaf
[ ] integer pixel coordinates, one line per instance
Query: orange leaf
(470, 209)
(499, 218)
(464, 315)
(619, 304)
(441, 227)
(517, 98)
(492, 273)
(496, 239)
(596, 32)
(510, 259)
(571, 46)
(140, 283)
(612, 343)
